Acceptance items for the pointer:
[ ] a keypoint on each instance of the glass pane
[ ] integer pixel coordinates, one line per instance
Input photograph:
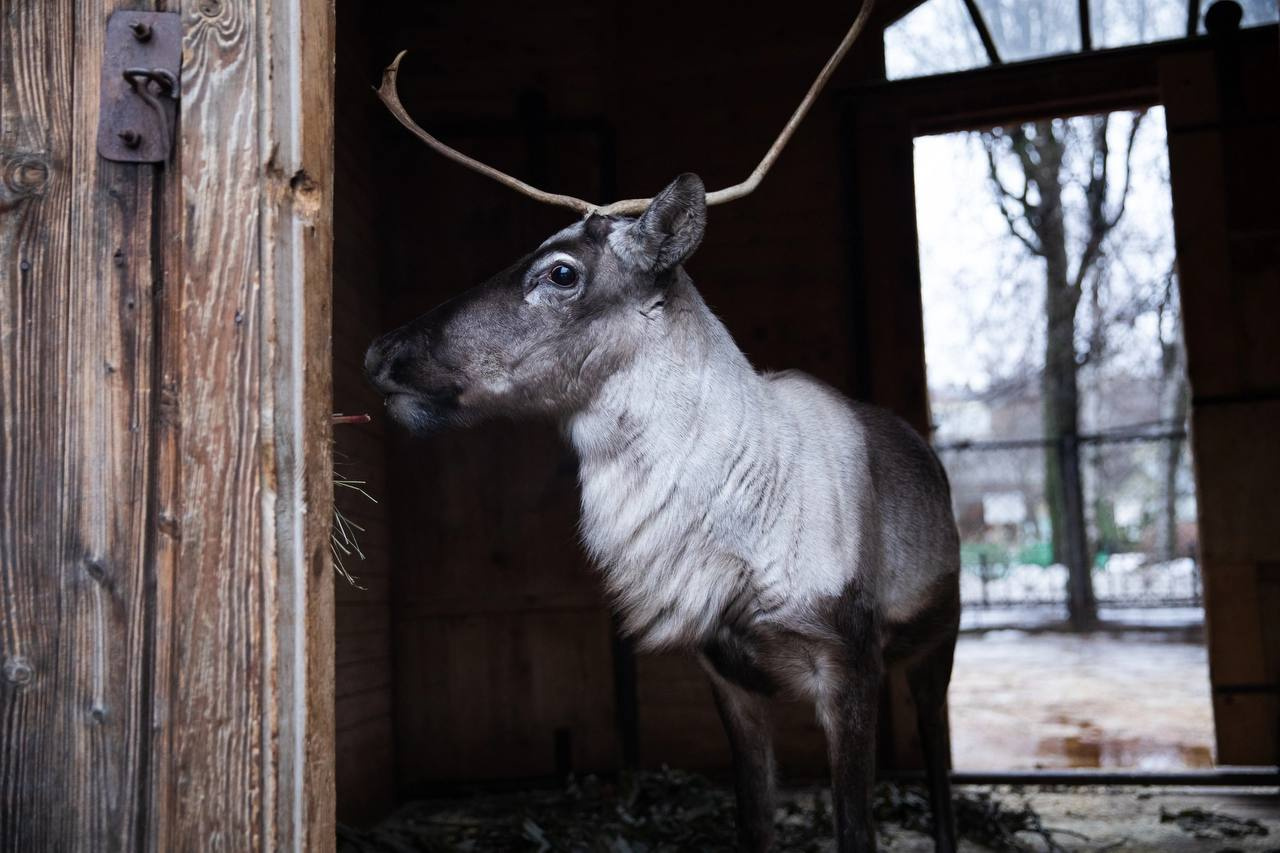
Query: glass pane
(933, 39)
(1256, 12)
(1121, 22)
(1026, 29)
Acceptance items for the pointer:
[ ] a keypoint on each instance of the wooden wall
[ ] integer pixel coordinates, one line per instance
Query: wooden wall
(165, 638)
(363, 712)
(1224, 132)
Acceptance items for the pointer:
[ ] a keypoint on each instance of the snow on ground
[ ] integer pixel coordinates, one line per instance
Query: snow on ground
(1122, 578)
(1034, 617)
(1024, 700)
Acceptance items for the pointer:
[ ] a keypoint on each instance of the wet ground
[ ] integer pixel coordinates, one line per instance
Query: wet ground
(1025, 700)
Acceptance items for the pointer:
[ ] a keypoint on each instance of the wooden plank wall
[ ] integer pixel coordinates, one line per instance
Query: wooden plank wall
(77, 426)
(365, 748)
(166, 665)
(1224, 131)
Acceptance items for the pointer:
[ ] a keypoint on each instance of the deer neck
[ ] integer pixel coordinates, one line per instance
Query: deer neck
(655, 448)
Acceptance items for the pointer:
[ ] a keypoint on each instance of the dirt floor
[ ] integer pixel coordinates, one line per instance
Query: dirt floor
(674, 812)
(1019, 700)
(1024, 700)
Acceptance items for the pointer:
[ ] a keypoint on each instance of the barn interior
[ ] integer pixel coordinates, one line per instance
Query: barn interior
(475, 649)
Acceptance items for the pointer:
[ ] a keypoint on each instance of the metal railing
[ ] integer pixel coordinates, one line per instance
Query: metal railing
(1130, 580)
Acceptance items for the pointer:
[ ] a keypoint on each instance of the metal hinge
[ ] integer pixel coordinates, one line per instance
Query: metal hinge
(141, 64)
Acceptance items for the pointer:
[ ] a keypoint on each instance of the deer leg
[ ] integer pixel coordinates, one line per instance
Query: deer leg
(746, 720)
(847, 710)
(929, 679)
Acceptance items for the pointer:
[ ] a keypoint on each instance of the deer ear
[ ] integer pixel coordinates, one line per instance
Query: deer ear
(671, 227)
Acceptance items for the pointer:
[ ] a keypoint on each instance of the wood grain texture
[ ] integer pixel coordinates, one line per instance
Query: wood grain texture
(167, 614)
(217, 742)
(76, 318)
(296, 244)
(39, 693)
(251, 722)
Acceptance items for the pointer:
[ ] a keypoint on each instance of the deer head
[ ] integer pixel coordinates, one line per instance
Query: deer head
(541, 336)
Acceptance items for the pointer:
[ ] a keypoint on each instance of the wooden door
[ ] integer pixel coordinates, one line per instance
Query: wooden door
(166, 617)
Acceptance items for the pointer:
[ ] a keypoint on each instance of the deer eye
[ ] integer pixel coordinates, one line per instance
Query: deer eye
(563, 275)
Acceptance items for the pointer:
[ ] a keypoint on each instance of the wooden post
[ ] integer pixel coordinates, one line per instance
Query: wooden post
(166, 645)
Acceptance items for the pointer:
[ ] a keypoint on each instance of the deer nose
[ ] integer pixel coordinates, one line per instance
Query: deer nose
(379, 360)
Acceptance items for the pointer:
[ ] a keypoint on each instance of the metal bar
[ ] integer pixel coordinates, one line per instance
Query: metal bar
(997, 604)
(1086, 32)
(1084, 438)
(1234, 777)
(1193, 18)
(980, 24)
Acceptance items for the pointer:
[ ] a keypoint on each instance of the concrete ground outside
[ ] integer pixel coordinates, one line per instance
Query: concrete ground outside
(1128, 700)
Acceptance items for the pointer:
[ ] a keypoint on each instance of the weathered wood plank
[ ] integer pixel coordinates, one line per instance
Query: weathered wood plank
(219, 657)
(297, 156)
(110, 347)
(77, 231)
(39, 553)
(153, 323)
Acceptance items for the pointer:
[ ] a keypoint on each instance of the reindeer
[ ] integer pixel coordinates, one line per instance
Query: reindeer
(796, 541)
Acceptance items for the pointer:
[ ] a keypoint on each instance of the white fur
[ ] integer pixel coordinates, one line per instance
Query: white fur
(734, 488)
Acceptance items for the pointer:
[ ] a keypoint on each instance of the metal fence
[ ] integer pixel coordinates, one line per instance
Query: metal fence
(1140, 520)
(1146, 585)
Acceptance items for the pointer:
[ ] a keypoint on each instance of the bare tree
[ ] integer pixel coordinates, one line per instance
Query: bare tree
(1035, 156)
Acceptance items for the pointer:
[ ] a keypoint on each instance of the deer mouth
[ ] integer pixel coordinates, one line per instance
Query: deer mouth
(423, 412)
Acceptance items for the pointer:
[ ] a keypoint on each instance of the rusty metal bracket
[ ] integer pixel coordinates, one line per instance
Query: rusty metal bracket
(141, 64)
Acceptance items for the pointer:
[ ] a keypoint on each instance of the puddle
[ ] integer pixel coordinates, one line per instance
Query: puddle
(1097, 750)
(1026, 701)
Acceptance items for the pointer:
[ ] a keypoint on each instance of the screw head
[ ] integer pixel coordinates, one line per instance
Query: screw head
(130, 138)
(141, 31)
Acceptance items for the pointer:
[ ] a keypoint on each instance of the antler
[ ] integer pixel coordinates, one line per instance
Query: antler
(389, 95)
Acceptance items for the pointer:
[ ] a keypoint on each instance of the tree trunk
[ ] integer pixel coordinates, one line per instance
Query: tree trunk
(1173, 411)
(1064, 489)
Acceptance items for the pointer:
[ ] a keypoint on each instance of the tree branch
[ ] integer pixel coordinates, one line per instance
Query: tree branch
(1004, 195)
(1099, 223)
(1128, 166)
